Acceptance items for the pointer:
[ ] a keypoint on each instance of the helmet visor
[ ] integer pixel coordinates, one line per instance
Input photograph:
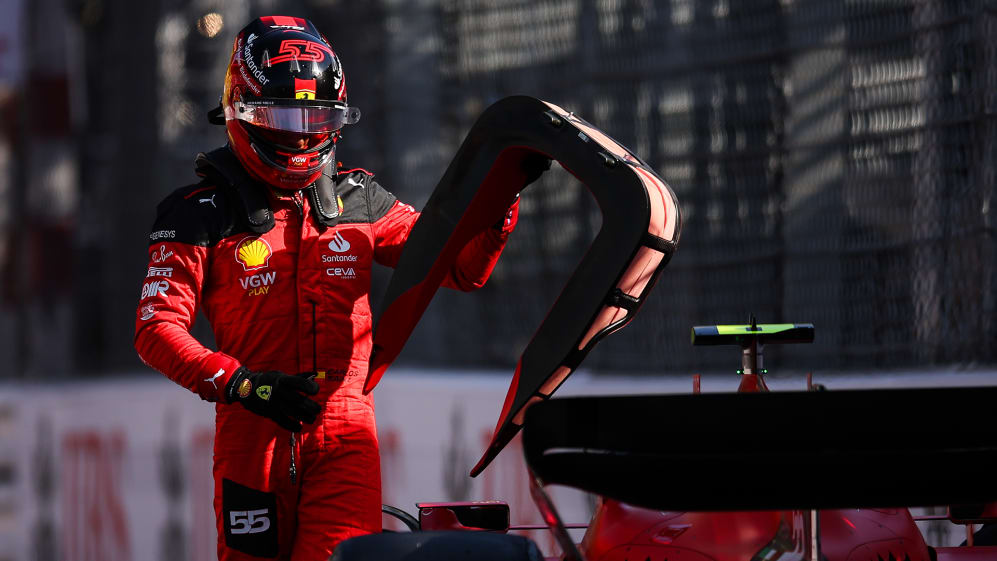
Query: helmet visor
(294, 115)
(294, 141)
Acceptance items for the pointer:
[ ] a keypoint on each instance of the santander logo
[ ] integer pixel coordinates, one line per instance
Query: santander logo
(339, 243)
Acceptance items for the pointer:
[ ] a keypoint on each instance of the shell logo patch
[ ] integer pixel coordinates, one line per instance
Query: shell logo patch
(244, 388)
(304, 89)
(253, 253)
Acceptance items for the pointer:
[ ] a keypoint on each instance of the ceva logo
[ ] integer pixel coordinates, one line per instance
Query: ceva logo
(339, 243)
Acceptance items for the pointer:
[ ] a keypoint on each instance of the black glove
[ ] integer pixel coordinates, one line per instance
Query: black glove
(275, 395)
(534, 165)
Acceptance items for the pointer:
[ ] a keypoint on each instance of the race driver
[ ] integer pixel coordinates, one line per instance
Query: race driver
(275, 245)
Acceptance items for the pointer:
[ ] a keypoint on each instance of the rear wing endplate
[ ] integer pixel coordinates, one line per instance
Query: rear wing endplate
(640, 230)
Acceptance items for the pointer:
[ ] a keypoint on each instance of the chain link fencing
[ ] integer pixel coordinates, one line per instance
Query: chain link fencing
(834, 162)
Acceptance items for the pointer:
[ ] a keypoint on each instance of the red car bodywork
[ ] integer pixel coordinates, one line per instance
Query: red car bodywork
(619, 532)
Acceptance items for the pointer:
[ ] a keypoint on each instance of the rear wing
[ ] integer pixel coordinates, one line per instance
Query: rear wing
(641, 225)
(744, 335)
(795, 450)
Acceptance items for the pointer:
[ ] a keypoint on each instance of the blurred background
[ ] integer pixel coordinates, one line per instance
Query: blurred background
(834, 161)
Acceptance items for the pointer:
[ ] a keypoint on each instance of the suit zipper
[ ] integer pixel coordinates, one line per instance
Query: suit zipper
(314, 341)
(298, 203)
(292, 469)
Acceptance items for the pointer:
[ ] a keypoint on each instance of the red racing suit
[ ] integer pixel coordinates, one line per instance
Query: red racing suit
(291, 297)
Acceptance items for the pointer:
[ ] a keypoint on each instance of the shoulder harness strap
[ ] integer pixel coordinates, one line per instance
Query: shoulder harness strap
(222, 164)
(325, 202)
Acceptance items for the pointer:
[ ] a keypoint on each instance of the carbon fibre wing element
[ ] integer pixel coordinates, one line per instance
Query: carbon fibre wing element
(641, 225)
(795, 450)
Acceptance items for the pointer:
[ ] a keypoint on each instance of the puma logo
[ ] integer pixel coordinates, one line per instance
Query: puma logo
(212, 379)
(209, 200)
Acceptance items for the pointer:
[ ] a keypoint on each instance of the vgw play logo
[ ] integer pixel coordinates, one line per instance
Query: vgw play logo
(258, 284)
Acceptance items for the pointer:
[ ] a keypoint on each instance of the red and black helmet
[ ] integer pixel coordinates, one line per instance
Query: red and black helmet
(285, 101)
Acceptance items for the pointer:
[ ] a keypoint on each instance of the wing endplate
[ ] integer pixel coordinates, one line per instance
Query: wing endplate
(641, 225)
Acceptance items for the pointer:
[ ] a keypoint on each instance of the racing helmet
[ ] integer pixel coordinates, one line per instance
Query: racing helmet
(284, 101)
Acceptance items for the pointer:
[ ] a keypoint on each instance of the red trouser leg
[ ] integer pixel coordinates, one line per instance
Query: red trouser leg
(262, 515)
(340, 493)
(254, 507)
(255, 500)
